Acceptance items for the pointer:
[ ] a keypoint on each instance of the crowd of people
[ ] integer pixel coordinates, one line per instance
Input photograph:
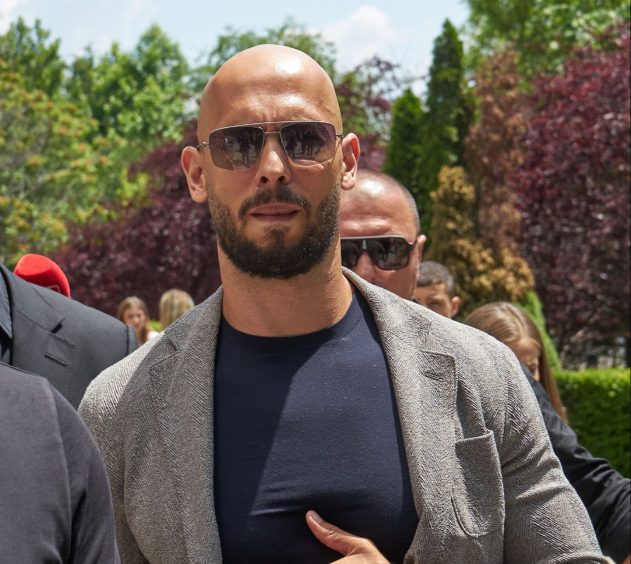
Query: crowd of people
(323, 405)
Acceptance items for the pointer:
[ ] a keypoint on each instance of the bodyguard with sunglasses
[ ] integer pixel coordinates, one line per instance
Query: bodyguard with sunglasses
(301, 414)
(380, 233)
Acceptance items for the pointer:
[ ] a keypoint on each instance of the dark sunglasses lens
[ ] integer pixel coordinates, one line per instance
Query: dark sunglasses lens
(350, 253)
(236, 148)
(308, 143)
(389, 253)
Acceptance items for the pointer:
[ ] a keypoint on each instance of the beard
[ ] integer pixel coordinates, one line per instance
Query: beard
(277, 259)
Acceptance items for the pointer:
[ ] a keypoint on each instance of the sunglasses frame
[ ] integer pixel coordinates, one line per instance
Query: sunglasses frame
(364, 248)
(278, 131)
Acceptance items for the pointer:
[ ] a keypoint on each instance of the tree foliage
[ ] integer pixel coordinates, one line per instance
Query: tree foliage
(167, 243)
(542, 32)
(365, 96)
(29, 52)
(448, 115)
(482, 274)
(290, 33)
(54, 169)
(494, 150)
(406, 139)
(138, 95)
(573, 190)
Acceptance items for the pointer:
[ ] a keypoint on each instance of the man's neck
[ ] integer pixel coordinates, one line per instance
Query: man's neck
(284, 308)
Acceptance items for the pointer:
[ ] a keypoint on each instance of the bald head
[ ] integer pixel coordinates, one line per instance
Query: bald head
(373, 187)
(380, 207)
(276, 83)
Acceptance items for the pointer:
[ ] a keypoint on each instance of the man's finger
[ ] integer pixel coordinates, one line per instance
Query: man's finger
(336, 539)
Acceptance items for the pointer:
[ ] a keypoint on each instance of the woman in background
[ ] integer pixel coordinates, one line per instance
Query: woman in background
(133, 311)
(513, 327)
(173, 305)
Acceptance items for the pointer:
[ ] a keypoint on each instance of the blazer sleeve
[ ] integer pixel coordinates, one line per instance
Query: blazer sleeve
(605, 492)
(545, 519)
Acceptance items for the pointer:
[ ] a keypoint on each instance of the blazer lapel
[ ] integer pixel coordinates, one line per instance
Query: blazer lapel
(182, 386)
(424, 385)
(36, 346)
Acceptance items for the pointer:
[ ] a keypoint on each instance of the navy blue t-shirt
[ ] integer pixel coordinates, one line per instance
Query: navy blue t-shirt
(308, 422)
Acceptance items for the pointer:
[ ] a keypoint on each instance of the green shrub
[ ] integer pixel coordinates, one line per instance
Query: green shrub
(531, 304)
(597, 402)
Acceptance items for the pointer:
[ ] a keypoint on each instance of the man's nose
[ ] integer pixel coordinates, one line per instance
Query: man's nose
(273, 165)
(365, 267)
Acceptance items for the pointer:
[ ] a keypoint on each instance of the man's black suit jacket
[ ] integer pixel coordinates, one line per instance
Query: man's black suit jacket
(55, 503)
(61, 339)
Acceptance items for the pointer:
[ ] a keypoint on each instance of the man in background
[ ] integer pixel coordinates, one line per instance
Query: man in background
(436, 289)
(66, 342)
(55, 503)
(381, 233)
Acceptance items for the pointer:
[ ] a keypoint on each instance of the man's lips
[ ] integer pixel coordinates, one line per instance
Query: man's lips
(271, 212)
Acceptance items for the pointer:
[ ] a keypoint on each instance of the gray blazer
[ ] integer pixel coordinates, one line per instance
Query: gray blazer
(487, 486)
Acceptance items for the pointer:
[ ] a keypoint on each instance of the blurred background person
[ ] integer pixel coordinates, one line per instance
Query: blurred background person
(605, 492)
(133, 311)
(436, 290)
(513, 327)
(174, 304)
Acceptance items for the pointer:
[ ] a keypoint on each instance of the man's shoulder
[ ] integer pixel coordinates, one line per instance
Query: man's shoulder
(29, 298)
(128, 381)
(421, 328)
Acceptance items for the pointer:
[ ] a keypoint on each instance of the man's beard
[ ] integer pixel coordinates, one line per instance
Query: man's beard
(277, 259)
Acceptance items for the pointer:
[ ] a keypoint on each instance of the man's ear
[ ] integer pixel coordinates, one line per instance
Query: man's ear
(350, 156)
(192, 165)
(455, 306)
(420, 241)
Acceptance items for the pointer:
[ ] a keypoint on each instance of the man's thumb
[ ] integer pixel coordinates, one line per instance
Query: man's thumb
(335, 538)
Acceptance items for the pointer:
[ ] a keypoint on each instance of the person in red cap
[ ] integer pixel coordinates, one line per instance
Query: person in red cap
(40, 270)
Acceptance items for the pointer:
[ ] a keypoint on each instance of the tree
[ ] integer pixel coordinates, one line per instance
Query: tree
(54, 169)
(30, 53)
(482, 274)
(167, 243)
(573, 188)
(139, 96)
(542, 32)
(365, 96)
(406, 138)
(448, 115)
(290, 33)
(494, 149)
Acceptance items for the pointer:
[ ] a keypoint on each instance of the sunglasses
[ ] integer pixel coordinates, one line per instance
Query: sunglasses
(387, 253)
(239, 147)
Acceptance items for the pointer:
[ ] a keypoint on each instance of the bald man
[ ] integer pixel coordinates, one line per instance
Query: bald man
(301, 414)
(381, 233)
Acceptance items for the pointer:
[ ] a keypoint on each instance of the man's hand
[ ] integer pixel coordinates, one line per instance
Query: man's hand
(356, 550)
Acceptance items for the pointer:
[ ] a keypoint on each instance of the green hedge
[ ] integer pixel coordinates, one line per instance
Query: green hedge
(597, 402)
(531, 304)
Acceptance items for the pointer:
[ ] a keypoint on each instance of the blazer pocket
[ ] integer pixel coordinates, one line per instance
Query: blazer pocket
(477, 493)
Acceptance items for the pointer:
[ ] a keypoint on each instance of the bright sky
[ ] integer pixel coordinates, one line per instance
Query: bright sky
(401, 31)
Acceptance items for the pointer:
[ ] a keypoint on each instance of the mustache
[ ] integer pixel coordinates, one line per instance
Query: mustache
(278, 194)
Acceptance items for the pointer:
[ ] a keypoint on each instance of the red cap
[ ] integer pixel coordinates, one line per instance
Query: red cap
(40, 270)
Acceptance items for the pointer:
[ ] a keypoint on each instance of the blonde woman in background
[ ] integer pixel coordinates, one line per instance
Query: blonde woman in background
(133, 311)
(173, 305)
(513, 327)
